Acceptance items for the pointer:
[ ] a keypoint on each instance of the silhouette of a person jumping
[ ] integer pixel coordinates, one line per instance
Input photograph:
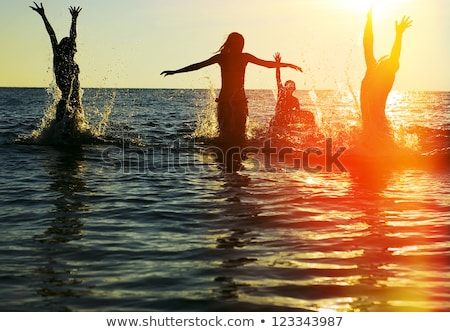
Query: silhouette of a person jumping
(232, 107)
(377, 83)
(64, 66)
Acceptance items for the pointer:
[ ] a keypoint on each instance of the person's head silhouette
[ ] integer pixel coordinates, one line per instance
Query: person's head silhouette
(67, 47)
(233, 44)
(290, 87)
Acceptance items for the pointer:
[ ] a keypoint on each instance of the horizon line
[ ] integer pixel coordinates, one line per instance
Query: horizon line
(190, 88)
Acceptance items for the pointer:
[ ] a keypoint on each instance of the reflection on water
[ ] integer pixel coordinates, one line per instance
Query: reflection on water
(230, 236)
(358, 241)
(57, 265)
(371, 250)
(187, 234)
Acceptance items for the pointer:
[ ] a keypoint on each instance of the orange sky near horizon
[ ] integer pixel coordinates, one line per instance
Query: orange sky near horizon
(126, 44)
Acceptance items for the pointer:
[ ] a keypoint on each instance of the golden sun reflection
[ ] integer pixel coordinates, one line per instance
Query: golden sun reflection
(403, 250)
(404, 138)
(334, 305)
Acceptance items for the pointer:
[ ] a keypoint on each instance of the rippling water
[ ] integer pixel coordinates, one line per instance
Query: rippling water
(151, 221)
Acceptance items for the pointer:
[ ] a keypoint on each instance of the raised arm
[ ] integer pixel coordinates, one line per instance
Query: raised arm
(195, 66)
(51, 32)
(399, 28)
(73, 28)
(277, 58)
(368, 40)
(270, 64)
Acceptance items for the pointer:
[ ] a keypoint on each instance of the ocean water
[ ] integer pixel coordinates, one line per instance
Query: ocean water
(148, 218)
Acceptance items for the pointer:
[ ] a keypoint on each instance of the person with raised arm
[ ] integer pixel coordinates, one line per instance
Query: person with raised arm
(287, 103)
(287, 110)
(232, 108)
(377, 84)
(64, 66)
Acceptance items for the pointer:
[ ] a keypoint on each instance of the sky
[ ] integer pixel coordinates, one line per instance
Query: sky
(127, 44)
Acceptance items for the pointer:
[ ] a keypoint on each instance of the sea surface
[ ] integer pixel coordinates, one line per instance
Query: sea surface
(149, 218)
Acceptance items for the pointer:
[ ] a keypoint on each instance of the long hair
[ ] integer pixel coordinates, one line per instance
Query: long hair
(233, 44)
(67, 46)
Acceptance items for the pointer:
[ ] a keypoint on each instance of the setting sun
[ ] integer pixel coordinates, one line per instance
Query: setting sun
(364, 5)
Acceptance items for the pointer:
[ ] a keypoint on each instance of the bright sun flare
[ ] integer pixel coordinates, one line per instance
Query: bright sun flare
(364, 5)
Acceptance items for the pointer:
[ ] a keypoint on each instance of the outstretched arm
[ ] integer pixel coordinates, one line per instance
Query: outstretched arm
(368, 40)
(195, 66)
(51, 32)
(400, 28)
(73, 28)
(271, 64)
(277, 58)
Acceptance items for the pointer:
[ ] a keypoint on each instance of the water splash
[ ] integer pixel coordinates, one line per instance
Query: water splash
(336, 115)
(72, 129)
(101, 126)
(206, 126)
(403, 137)
(318, 111)
(50, 113)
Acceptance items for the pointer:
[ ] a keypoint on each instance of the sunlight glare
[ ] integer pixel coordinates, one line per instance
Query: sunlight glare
(364, 5)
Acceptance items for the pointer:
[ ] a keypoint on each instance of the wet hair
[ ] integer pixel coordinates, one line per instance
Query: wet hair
(66, 45)
(233, 44)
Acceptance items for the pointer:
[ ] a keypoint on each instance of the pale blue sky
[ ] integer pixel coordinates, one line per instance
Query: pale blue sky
(128, 43)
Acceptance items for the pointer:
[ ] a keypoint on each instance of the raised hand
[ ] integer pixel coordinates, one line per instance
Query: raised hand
(167, 72)
(403, 25)
(296, 68)
(39, 10)
(74, 11)
(277, 57)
